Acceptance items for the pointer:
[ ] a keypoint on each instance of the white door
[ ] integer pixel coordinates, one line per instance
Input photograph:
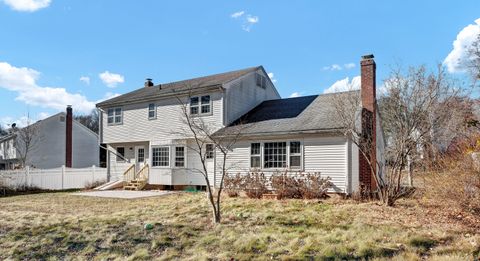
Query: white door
(139, 157)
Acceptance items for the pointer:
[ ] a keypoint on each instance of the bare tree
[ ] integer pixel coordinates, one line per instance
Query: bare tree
(90, 121)
(416, 112)
(26, 140)
(201, 133)
(472, 63)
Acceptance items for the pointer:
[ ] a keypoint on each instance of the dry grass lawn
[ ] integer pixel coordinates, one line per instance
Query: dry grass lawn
(62, 226)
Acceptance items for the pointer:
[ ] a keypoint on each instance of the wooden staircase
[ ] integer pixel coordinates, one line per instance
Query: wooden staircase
(136, 180)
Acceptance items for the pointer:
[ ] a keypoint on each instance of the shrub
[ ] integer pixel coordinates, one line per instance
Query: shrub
(233, 184)
(300, 185)
(314, 186)
(286, 186)
(255, 184)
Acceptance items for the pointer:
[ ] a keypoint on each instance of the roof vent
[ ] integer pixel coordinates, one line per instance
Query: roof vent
(148, 82)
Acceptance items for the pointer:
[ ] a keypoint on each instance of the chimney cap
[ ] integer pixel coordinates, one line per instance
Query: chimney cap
(367, 56)
(148, 82)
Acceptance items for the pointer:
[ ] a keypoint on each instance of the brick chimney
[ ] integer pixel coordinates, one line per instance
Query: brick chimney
(148, 82)
(369, 101)
(68, 137)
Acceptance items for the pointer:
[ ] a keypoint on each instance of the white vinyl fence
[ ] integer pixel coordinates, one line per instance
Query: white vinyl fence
(53, 179)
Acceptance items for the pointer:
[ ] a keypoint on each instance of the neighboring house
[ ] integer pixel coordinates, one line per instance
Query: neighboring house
(58, 140)
(298, 134)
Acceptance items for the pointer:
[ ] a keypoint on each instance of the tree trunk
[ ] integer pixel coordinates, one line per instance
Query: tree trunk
(410, 171)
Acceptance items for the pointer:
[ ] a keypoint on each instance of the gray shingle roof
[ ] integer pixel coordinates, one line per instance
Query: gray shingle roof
(292, 115)
(175, 88)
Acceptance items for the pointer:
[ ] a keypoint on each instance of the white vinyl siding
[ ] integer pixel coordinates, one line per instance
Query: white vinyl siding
(243, 94)
(326, 155)
(137, 127)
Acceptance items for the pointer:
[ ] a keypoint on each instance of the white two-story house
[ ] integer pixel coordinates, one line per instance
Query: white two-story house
(146, 126)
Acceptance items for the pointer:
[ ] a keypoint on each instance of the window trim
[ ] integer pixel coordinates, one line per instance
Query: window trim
(207, 152)
(114, 109)
(199, 106)
(154, 117)
(169, 156)
(262, 168)
(260, 80)
(259, 155)
(174, 165)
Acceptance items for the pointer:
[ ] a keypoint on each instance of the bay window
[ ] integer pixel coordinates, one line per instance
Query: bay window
(179, 157)
(161, 156)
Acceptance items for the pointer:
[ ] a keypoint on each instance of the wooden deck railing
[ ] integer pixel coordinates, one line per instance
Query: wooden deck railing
(129, 174)
(143, 173)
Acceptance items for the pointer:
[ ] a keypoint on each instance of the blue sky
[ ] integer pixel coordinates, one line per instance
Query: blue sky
(47, 46)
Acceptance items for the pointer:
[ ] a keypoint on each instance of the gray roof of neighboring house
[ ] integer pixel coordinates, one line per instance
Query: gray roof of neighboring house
(177, 88)
(293, 115)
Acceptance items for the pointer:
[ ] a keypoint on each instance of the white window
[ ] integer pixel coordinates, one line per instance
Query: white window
(295, 155)
(209, 151)
(161, 156)
(200, 105)
(260, 80)
(152, 111)
(278, 154)
(179, 157)
(114, 116)
(274, 155)
(255, 155)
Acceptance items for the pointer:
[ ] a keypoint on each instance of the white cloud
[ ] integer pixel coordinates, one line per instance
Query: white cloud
(272, 77)
(296, 94)
(344, 85)
(24, 81)
(23, 121)
(109, 95)
(85, 79)
(27, 5)
(247, 20)
(459, 53)
(111, 79)
(237, 14)
(337, 67)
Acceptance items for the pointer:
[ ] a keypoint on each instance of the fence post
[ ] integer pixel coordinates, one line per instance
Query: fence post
(63, 176)
(27, 174)
(93, 174)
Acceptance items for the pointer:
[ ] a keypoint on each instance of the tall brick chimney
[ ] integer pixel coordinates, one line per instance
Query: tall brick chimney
(369, 101)
(68, 137)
